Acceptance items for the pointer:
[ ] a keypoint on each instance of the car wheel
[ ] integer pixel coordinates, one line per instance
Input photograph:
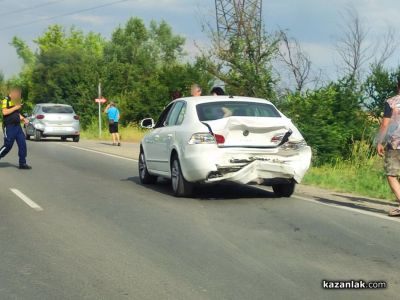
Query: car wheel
(63, 138)
(76, 139)
(180, 186)
(284, 189)
(144, 175)
(38, 135)
(27, 136)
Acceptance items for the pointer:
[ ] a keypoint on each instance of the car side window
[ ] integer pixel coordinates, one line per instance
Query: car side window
(174, 114)
(163, 117)
(181, 115)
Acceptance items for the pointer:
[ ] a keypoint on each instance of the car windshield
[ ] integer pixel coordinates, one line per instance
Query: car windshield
(224, 109)
(57, 110)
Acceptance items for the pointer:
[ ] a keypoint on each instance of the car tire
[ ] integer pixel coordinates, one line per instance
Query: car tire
(63, 138)
(38, 135)
(144, 175)
(284, 189)
(27, 137)
(180, 186)
(76, 139)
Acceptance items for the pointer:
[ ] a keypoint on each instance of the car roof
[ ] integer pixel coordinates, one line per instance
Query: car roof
(53, 104)
(208, 99)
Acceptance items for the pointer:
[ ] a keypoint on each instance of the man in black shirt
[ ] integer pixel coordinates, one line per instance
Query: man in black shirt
(12, 130)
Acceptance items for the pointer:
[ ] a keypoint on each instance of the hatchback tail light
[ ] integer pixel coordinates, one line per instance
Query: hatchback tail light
(76, 117)
(40, 117)
(220, 139)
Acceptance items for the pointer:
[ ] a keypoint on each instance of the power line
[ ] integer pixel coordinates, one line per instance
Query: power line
(12, 12)
(62, 15)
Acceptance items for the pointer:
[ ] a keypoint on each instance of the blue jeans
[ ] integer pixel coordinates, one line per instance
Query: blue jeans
(14, 133)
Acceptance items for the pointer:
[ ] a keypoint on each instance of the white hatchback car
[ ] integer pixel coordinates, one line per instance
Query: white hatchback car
(223, 138)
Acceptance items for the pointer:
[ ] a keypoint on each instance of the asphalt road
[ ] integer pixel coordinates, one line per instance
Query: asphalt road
(99, 234)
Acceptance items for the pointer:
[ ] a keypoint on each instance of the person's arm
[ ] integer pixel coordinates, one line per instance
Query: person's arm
(106, 109)
(25, 120)
(381, 136)
(9, 111)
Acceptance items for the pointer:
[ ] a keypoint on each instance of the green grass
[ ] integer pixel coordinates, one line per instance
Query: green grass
(363, 174)
(128, 134)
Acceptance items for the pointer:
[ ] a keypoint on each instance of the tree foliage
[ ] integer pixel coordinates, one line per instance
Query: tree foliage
(330, 118)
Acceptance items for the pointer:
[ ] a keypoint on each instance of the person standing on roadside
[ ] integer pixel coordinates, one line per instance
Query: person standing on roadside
(113, 119)
(12, 129)
(195, 90)
(390, 131)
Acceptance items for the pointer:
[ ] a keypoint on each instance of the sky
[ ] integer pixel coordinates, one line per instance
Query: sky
(316, 24)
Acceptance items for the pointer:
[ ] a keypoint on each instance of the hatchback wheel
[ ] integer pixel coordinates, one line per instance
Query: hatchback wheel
(76, 139)
(27, 136)
(38, 135)
(144, 175)
(180, 186)
(284, 189)
(63, 138)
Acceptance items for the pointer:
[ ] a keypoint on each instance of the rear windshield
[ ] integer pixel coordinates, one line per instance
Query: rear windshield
(57, 110)
(219, 110)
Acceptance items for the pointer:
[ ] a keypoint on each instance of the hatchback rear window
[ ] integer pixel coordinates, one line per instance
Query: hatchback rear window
(224, 109)
(57, 110)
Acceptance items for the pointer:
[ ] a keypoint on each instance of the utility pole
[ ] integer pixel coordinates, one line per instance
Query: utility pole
(100, 97)
(236, 18)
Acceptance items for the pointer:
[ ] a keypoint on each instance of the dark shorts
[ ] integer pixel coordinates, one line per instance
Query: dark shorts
(392, 162)
(113, 128)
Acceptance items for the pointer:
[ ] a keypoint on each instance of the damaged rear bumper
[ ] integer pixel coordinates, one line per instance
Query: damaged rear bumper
(260, 168)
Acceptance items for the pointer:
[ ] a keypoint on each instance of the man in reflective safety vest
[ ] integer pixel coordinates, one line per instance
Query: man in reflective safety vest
(12, 129)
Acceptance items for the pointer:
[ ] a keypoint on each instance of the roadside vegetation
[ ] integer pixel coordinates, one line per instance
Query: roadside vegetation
(131, 133)
(361, 174)
(142, 65)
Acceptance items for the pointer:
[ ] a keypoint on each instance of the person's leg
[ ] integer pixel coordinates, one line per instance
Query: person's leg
(22, 150)
(113, 138)
(394, 186)
(9, 138)
(117, 134)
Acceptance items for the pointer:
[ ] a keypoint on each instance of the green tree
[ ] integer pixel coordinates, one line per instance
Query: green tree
(67, 69)
(144, 65)
(330, 118)
(380, 85)
(244, 62)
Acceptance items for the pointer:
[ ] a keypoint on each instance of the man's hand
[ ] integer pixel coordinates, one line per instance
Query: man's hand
(26, 121)
(381, 150)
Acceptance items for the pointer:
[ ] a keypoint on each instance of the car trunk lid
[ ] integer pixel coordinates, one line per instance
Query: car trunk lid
(249, 132)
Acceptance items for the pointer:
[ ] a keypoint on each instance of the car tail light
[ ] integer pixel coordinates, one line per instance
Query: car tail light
(40, 117)
(277, 138)
(219, 139)
(76, 117)
(202, 138)
(295, 145)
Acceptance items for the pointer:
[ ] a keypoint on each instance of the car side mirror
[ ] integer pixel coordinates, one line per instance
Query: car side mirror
(147, 123)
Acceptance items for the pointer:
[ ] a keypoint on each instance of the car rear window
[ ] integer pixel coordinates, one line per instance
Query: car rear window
(57, 110)
(219, 110)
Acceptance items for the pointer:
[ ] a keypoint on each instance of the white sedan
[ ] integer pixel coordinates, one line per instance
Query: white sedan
(214, 139)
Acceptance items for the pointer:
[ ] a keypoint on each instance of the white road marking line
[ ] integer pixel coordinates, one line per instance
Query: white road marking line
(26, 199)
(360, 211)
(99, 152)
